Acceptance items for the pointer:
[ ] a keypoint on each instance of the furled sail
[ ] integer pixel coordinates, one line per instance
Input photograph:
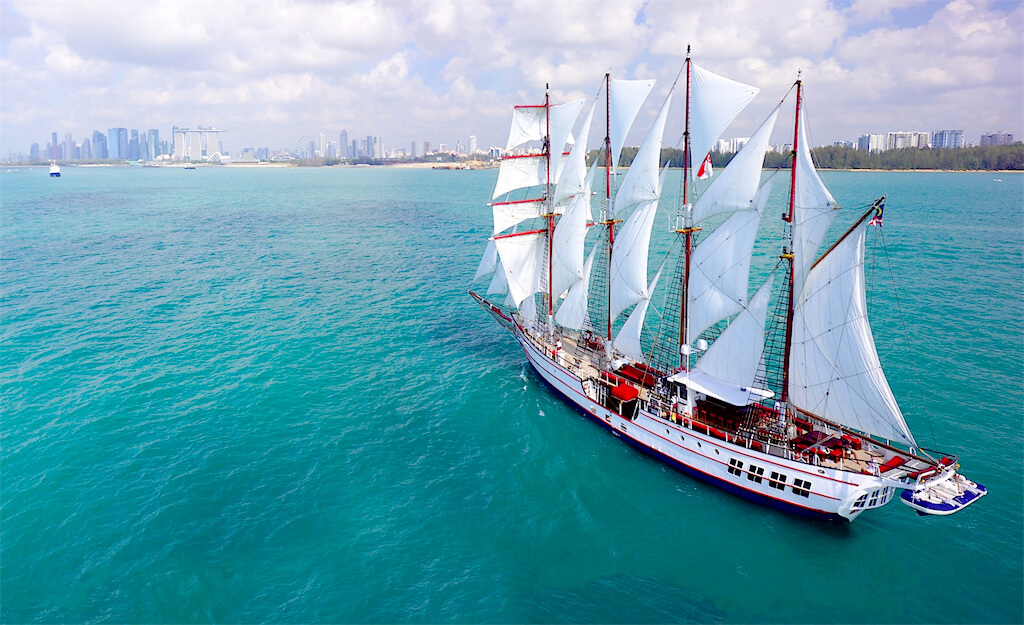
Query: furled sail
(642, 183)
(735, 356)
(813, 212)
(573, 311)
(714, 102)
(524, 259)
(508, 214)
(720, 268)
(735, 187)
(834, 368)
(625, 99)
(627, 340)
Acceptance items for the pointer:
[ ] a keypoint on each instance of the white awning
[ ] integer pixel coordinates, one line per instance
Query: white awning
(720, 389)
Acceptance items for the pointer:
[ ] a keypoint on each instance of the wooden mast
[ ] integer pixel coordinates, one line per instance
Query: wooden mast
(788, 254)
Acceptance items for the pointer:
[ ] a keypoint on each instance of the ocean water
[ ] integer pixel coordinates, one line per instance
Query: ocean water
(237, 395)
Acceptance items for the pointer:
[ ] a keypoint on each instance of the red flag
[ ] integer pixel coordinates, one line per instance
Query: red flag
(876, 220)
(705, 171)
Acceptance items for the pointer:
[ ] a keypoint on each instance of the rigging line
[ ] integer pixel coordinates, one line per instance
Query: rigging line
(906, 337)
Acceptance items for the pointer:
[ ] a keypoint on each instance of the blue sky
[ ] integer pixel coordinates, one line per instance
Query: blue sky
(440, 70)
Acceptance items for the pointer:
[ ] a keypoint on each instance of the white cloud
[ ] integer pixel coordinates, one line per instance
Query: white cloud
(439, 70)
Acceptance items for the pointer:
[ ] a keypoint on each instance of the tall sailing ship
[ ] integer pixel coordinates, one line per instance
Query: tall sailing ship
(788, 408)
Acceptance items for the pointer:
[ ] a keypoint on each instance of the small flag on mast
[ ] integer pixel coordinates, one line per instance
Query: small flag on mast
(705, 171)
(876, 220)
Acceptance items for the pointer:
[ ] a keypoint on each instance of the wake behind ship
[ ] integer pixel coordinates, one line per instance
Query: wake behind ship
(777, 396)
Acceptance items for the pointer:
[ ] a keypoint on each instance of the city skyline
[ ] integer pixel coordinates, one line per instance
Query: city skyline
(440, 71)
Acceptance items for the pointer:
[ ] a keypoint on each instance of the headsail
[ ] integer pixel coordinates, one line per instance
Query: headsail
(628, 339)
(573, 311)
(834, 368)
(813, 211)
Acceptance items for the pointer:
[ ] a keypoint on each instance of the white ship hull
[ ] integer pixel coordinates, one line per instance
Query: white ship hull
(830, 493)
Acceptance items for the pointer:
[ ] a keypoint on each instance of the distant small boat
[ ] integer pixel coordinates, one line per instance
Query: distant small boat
(54, 170)
(997, 180)
(190, 166)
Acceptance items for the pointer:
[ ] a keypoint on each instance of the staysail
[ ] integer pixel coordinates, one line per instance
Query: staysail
(627, 340)
(834, 368)
(813, 211)
(735, 356)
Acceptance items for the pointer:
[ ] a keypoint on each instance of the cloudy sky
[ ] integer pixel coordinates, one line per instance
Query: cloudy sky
(270, 72)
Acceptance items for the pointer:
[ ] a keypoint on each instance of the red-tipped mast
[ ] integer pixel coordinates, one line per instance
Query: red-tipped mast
(789, 253)
(547, 198)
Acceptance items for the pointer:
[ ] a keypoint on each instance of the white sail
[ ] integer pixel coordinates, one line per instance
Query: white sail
(573, 175)
(834, 369)
(523, 258)
(714, 102)
(573, 311)
(735, 356)
(528, 124)
(567, 245)
(499, 281)
(720, 271)
(563, 118)
(528, 308)
(627, 340)
(629, 259)
(813, 212)
(508, 214)
(735, 187)
(625, 99)
(642, 183)
(488, 262)
(518, 172)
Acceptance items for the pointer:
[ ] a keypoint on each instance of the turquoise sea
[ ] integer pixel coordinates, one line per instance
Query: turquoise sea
(239, 395)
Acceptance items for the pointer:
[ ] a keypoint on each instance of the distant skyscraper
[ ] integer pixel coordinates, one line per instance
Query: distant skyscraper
(472, 144)
(33, 152)
(86, 152)
(323, 145)
(343, 140)
(117, 143)
(413, 152)
(69, 147)
(354, 150)
(153, 141)
(99, 144)
(997, 138)
(426, 148)
(871, 143)
(948, 139)
(133, 145)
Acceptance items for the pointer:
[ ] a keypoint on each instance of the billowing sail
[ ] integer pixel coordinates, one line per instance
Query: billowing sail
(735, 356)
(714, 102)
(508, 214)
(523, 258)
(528, 123)
(499, 281)
(563, 118)
(834, 369)
(573, 311)
(573, 175)
(813, 212)
(735, 187)
(721, 268)
(627, 340)
(625, 99)
(519, 172)
(567, 245)
(642, 183)
(489, 260)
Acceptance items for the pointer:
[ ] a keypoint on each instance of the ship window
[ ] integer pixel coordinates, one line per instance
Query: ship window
(801, 487)
(735, 466)
(755, 474)
(778, 481)
(860, 501)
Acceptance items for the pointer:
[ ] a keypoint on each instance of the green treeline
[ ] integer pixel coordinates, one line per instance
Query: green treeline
(1010, 157)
